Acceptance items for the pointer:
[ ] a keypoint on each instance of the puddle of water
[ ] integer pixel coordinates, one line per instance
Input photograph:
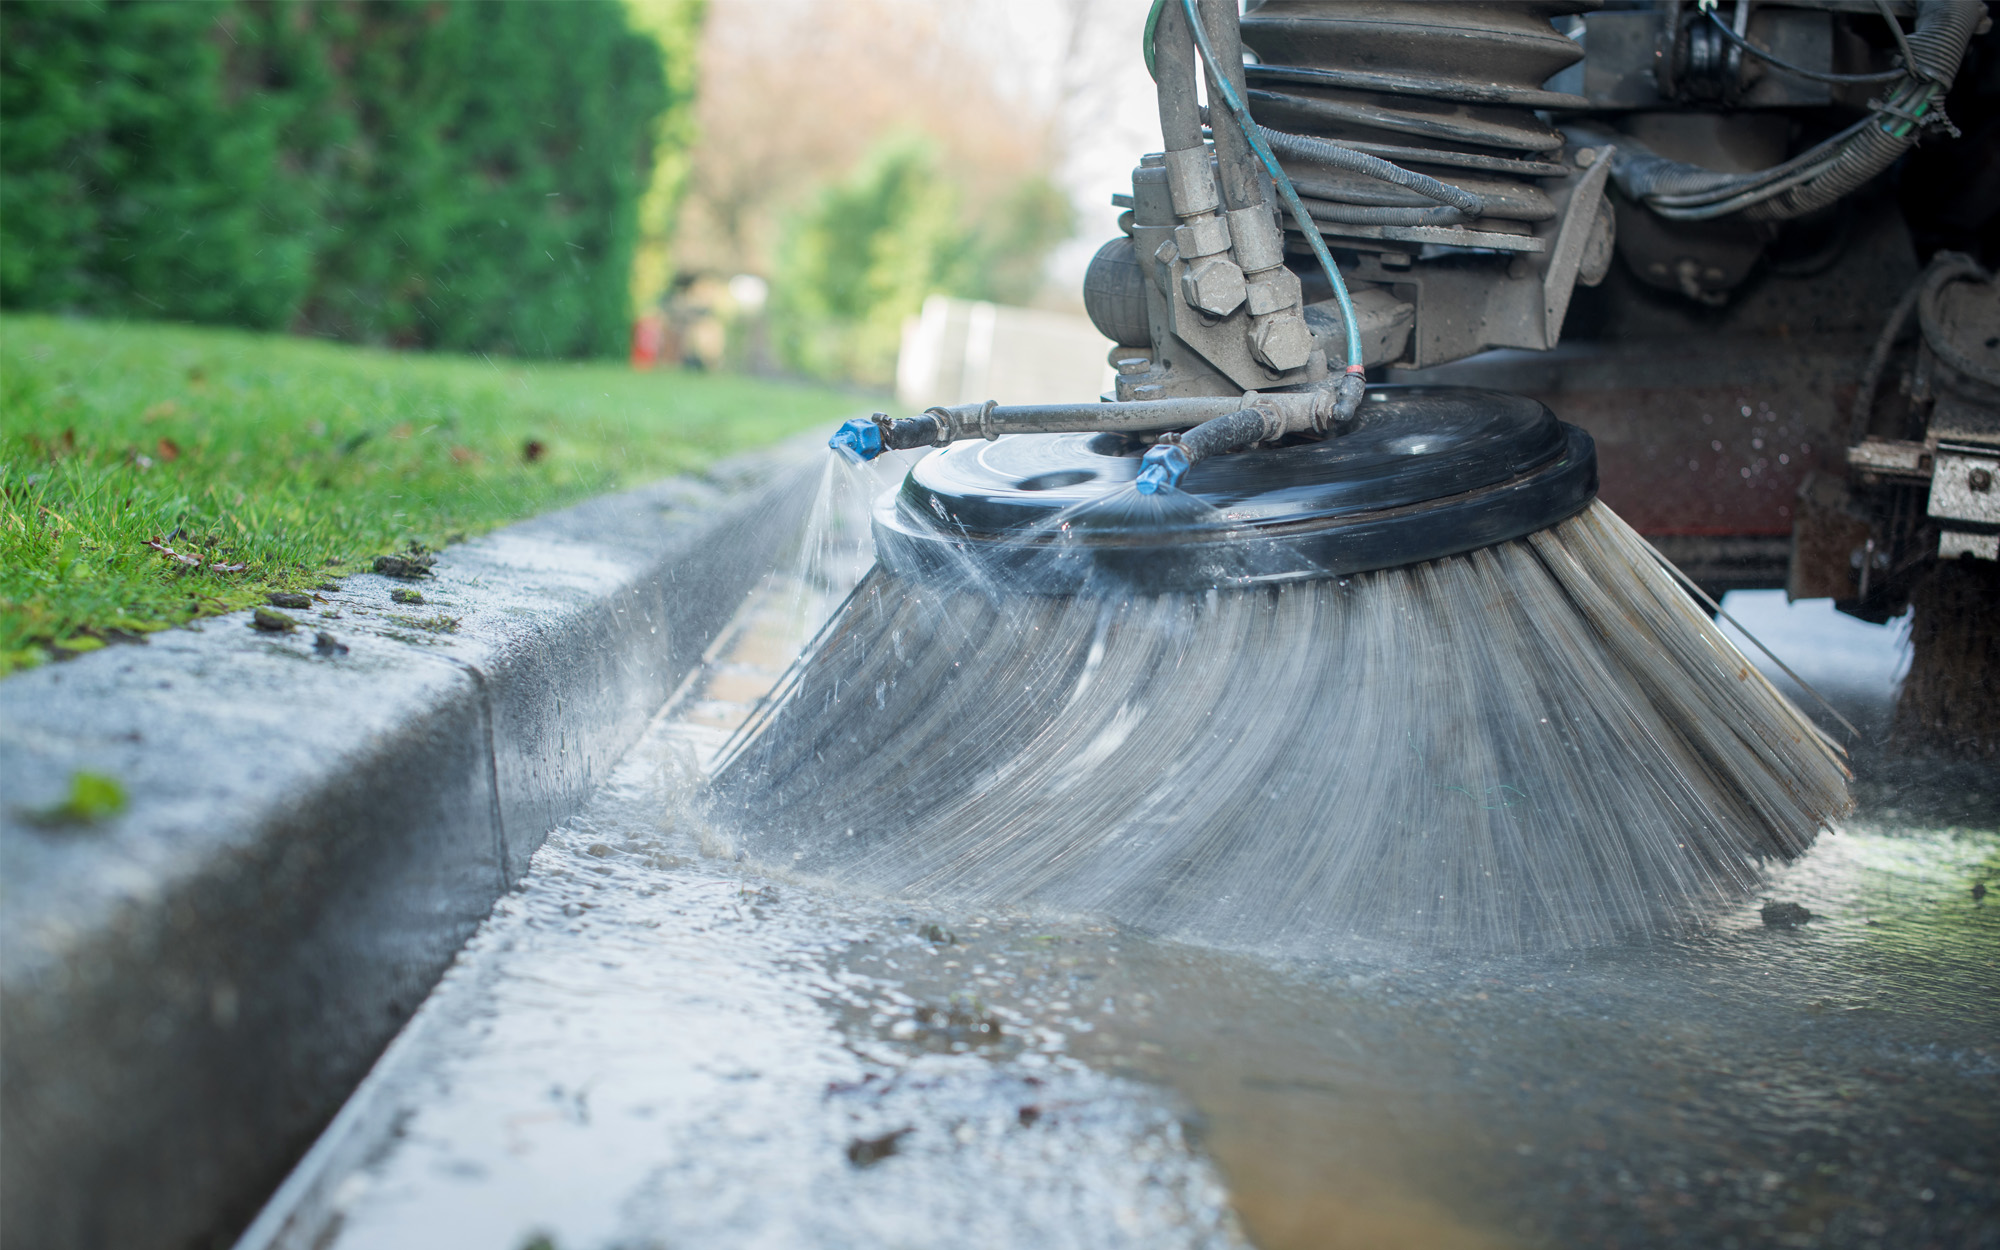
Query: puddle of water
(652, 1044)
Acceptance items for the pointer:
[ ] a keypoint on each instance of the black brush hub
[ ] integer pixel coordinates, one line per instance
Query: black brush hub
(1428, 472)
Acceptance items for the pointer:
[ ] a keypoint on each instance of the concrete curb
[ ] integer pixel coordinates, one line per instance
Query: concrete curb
(190, 989)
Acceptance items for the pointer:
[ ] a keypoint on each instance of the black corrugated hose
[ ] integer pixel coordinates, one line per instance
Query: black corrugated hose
(1829, 170)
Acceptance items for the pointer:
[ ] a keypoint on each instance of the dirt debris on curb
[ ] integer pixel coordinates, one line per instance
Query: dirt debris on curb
(327, 645)
(409, 565)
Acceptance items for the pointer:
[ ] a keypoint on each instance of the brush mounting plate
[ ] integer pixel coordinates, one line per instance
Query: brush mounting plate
(1427, 472)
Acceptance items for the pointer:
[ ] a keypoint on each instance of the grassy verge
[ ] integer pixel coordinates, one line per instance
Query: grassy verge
(152, 474)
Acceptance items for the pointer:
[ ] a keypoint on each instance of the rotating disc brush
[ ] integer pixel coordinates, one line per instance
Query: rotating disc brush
(1408, 683)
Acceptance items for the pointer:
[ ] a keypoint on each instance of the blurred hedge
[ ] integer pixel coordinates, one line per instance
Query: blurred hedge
(863, 255)
(448, 173)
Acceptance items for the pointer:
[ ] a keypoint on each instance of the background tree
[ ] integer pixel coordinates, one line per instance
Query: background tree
(456, 175)
(864, 155)
(675, 25)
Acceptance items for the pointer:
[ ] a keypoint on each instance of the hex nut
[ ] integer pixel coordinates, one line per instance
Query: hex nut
(1191, 180)
(1204, 236)
(1214, 285)
(1282, 342)
(1273, 291)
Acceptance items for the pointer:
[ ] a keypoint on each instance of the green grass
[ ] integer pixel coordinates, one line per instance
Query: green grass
(300, 460)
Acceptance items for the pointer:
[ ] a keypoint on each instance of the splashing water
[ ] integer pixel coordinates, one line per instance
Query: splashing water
(1130, 508)
(1539, 743)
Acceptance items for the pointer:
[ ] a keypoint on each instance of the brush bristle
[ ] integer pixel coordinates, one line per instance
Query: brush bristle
(1539, 743)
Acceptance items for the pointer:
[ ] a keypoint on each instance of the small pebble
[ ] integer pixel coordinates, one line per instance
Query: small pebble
(410, 565)
(1785, 915)
(401, 595)
(326, 644)
(288, 599)
(865, 1152)
(272, 622)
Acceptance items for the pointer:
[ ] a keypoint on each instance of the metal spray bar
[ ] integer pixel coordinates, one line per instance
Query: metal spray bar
(865, 438)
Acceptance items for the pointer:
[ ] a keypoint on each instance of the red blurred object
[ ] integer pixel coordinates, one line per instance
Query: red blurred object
(649, 335)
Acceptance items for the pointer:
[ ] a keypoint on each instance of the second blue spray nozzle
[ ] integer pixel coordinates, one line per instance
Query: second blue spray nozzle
(1161, 469)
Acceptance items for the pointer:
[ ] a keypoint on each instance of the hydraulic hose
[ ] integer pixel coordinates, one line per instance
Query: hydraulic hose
(1896, 29)
(1830, 169)
(1322, 152)
(1778, 63)
(1253, 135)
(1372, 215)
(1645, 175)
(1165, 465)
(1170, 57)
(1262, 418)
(1236, 166)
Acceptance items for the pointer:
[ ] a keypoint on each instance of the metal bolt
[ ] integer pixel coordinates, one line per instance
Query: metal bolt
(1129, 365)
(1586, 157)
(1980, 480)
(1282, 342)
(1213, 285)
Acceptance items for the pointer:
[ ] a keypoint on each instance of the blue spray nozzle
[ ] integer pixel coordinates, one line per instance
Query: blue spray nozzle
(1161, 469)
(859, 440)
